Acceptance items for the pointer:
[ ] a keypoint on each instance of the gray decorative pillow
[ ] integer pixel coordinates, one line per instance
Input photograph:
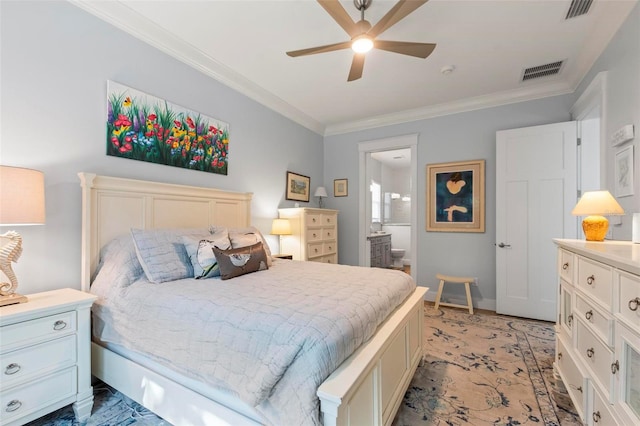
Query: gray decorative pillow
(242, 237)
(162, 254)
(240, 261)
(200, 252)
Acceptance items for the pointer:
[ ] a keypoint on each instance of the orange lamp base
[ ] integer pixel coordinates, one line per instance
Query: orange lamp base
(595, 227)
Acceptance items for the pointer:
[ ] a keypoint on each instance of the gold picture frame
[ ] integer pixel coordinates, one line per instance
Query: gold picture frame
(340, 187)
(298, 187)
(456, 197)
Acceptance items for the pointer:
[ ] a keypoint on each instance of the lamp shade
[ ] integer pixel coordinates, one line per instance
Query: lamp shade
(599, 203)
(281, 227)
(21, 196)
(320, 192)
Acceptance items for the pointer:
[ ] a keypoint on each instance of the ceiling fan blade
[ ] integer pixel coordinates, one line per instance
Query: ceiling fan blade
(419, 50)
(393, 16)
(356, 67)
(337, 12)
(320, 49)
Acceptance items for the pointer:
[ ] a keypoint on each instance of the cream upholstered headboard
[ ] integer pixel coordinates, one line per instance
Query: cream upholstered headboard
(112, 206)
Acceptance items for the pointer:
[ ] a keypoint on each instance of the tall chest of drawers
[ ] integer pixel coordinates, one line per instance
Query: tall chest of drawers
(314, 234)
(45, 356)
(598, 329)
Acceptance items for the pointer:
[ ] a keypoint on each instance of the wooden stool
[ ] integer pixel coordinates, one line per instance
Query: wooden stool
(459, 280)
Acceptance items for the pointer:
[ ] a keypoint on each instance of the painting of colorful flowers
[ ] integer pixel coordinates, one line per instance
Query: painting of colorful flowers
(143, 127)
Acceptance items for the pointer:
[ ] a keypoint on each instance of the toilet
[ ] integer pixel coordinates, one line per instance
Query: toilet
(396, 256)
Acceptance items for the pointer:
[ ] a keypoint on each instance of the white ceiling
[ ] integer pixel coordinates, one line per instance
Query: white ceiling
(489, 42)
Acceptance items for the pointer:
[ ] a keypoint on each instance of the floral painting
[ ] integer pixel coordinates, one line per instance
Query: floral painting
(143, 127)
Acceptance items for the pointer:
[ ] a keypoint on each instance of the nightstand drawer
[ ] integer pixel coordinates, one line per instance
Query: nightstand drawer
(40, 329)
(37, 360)
(23, 400)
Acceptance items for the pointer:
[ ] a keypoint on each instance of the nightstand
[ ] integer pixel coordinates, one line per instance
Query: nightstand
(283, 256)
(45, 356)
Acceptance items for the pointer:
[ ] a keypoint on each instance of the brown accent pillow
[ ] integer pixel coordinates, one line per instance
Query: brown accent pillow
(240, 261)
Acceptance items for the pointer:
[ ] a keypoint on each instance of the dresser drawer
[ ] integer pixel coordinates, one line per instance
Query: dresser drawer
(37, 360)
(36, 330)
(628, 290)
(595, 354)
(566, 261)
(329, 220)
(314, 235)
(22, 400)
(596, 279)
(600, 414)
(328, 233)
(314, 250)
(329, 248)
(574, 381)
(600, 322)
(332, 258)
(313, 220)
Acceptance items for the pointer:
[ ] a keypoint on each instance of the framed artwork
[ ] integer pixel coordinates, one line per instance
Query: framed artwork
(145, 128)
(624, 172)
(298, 187)
(455, 196)
(340, 187)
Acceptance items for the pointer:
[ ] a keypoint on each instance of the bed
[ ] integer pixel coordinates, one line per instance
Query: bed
(365, 388)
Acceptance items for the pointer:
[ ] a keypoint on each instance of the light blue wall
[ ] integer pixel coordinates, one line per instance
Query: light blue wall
(457, 137)
(621, 61)
(56, 60)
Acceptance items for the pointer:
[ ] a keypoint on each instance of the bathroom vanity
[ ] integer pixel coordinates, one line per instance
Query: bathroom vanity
(380, 250)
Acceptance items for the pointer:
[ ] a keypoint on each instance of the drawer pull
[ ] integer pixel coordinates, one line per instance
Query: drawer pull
(590, 352)
(12, 368)
(634, 303)
(313, 220)
(13, 405)
(615, 367)
(596, 416)
(565, 266)
(570, 319)
(591, 279)
(579, 389)
(315, 235)
(59, 325)
(559, 355)
(588, 315)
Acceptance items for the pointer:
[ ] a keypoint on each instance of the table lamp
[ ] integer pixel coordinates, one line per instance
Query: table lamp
(280, 227)
(21, 203)
(320, 193)
(595, 205)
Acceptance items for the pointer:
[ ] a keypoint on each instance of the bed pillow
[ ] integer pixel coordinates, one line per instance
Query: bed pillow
(200, 252)
(243, 237)
(240, 261)
(162, 254)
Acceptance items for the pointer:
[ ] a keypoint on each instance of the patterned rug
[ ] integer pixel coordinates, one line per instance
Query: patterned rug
(478, 370)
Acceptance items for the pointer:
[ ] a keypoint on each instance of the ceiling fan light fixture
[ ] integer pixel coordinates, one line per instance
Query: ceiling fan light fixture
(362, 44)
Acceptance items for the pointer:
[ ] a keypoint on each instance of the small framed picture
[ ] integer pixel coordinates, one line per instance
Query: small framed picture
(298, 187)
(340, 188)
(624, 172)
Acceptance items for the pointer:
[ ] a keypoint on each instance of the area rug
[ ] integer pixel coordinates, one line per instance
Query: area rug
(479, 369)
(485, 369)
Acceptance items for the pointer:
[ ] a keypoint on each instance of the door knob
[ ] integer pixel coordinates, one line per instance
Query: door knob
(503, 245)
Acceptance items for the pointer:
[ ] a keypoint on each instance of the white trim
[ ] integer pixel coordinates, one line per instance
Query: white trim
(405, 141)
(130, 21)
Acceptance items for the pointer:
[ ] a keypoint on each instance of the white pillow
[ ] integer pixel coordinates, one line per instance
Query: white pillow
(162, 254)
(201, 255)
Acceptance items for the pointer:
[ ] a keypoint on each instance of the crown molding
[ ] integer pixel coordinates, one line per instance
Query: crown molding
(128, 20)
(464, 105)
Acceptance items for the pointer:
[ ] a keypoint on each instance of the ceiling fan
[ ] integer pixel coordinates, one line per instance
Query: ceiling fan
(363, 35)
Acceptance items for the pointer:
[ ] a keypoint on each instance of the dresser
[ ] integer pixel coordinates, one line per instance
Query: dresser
(45, 356)
(598, 329)
(380, 250)
(314, 234)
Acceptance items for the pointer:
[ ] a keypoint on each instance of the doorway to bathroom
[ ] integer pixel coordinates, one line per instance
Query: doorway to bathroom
(387, 202)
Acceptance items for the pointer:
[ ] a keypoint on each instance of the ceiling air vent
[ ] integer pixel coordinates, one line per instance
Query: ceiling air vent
(578, 7)
(542, 70)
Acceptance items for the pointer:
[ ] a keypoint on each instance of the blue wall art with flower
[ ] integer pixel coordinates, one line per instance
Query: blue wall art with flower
(143, 127)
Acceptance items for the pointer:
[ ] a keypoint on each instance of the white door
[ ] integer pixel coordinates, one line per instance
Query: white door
(535, 193)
